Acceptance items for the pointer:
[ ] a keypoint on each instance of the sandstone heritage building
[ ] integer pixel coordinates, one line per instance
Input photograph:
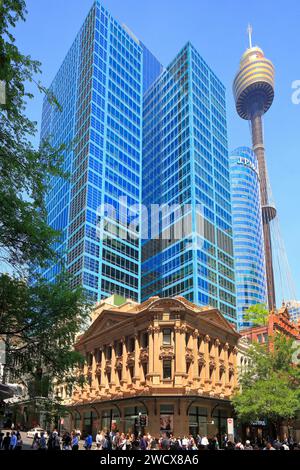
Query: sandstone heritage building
(163, 365)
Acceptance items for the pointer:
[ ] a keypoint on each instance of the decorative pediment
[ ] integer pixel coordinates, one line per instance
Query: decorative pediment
(213, 316)
(106, 320)
(165, 304)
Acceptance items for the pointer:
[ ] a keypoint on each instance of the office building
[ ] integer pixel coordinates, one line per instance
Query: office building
(186, 165)
(248, 238)
(99, 86)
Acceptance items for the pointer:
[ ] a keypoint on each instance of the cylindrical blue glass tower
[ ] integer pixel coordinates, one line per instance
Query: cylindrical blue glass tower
(247, 231)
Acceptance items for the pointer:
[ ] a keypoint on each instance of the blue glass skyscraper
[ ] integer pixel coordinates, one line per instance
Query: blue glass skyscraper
(185, 163)
(136, 132)
(247, 231)
(99, 86)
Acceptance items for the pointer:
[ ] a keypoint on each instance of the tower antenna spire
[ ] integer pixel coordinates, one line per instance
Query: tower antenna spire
(249, 31)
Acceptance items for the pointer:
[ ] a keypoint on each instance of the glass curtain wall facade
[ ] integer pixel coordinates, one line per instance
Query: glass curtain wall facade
(294, 310)
(100, 87)
(185, 162)
(247, 231)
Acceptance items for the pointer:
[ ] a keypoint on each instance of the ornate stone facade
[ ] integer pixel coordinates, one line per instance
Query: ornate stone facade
(158, 351)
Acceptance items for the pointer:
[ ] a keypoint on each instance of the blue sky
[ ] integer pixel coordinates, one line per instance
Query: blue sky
(217, 28)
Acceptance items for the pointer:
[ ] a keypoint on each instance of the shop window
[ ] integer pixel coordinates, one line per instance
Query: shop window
(166, 418)
(198, 420)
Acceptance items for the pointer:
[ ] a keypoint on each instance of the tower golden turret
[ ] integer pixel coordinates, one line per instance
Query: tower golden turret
(253, 89)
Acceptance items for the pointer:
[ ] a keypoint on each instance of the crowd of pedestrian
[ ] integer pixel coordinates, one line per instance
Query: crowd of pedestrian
(11, 441)
(114, 440)
(167, 441)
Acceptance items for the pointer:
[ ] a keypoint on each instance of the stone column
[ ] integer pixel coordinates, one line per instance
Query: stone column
(180, 369)
(157, 365)
(124, 362)
(137, 374)
(103, 375)
(113, 366)
(196, 377)
(235, 365)
(207, 360)
(217, 360)
(202, 361)
(226, 362)
(151, 354)
(213, 360)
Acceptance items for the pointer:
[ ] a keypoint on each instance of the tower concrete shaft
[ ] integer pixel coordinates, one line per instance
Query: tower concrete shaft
(267, 210)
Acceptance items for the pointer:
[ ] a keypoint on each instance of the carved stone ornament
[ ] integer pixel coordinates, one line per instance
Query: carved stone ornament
(144, 355)
(189, 356)
(166, 352)
(201, 360)
(119, 363)
(130, 359)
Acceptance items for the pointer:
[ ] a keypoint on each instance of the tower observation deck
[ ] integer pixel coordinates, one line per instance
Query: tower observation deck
(253, 90)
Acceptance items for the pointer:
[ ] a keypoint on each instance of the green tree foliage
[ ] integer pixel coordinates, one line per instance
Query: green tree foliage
(38, 320)
(25, 172)
(257, 315)
(270, 387)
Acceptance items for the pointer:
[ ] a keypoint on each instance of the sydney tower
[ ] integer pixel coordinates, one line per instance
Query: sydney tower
(253, 89)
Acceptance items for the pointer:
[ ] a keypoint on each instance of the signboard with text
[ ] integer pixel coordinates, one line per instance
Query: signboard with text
(230, 429)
